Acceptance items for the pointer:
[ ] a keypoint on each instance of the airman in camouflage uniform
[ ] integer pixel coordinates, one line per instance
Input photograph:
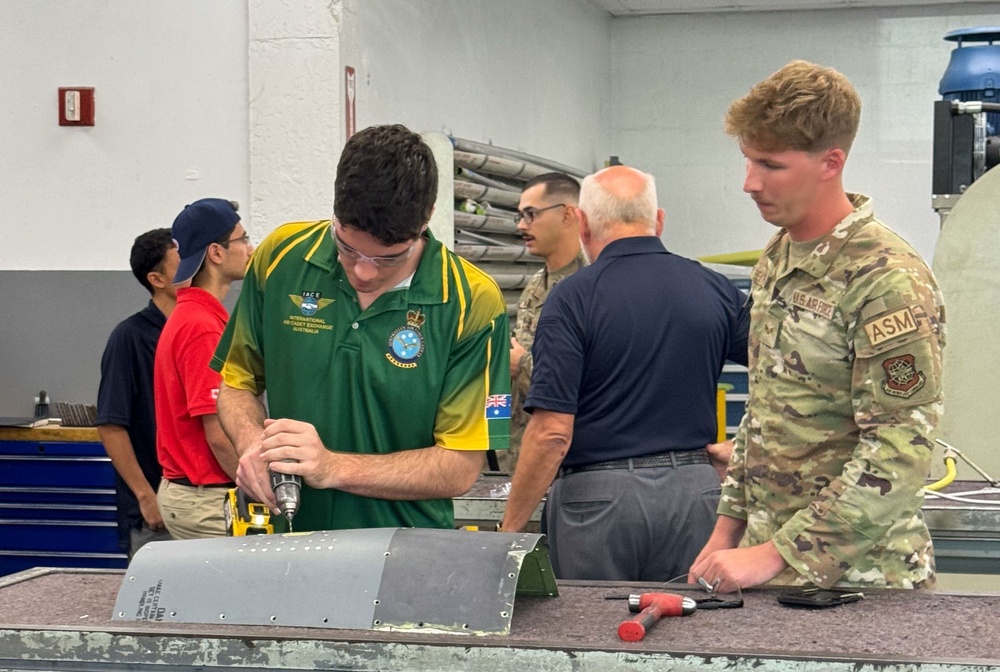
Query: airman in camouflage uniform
(845, 392)
(824, 486)
(528, 309)
(547, 221)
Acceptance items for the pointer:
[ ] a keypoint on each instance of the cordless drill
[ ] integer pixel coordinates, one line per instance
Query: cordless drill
(288, 491)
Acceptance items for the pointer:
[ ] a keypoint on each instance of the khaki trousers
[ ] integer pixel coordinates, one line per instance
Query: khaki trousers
(192, 512)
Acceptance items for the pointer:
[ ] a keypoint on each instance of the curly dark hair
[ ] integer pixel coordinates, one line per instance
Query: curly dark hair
(386, 184)
(148, 252)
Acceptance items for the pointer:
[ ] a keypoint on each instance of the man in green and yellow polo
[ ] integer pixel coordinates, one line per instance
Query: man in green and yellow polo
(385, 357)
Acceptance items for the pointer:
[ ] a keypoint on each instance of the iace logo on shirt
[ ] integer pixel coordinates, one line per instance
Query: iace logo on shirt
(308, 303)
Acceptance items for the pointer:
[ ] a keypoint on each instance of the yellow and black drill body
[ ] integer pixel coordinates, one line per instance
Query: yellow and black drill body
(245, 517)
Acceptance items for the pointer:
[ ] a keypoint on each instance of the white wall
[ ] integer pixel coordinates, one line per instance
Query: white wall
(674, 76)
(527, 75)
(295, 110)
(171, 123)
(244, 100)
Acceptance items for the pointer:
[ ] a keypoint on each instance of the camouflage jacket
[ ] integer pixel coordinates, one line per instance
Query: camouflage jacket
(845, 393)
(528, 309)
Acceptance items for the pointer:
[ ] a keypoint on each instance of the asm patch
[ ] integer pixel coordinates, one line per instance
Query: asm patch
(901, 376)
(498, 406)
(890, 326)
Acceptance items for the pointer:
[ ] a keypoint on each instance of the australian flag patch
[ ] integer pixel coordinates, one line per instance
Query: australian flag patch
(498, 406)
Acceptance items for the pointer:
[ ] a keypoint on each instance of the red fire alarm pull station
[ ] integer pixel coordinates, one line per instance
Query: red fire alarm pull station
(76, 106)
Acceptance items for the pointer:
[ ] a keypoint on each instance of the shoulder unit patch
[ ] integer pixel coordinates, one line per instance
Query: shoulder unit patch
(901, 376)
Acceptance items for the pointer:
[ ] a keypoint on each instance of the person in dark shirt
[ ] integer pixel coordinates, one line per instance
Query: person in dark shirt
(125, 416)
(628, 353)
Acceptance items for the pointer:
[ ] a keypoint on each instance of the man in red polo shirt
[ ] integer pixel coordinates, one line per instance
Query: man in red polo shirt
(199, 462)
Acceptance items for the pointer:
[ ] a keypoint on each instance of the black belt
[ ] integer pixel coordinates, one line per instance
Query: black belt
(671, 458)
(188, 483)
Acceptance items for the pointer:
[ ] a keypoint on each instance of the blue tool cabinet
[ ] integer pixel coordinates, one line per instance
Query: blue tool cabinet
(57, 501)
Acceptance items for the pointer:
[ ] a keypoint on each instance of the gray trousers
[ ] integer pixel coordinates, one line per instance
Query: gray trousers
(644, 524)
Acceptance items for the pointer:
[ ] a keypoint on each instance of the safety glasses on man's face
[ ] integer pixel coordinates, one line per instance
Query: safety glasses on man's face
(529, 213)
(348, 253)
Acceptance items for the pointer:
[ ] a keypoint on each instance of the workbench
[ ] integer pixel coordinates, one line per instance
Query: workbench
(61, 619)
(966, 536)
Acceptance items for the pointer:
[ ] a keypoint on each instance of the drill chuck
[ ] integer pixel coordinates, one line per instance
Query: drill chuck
(287, 490)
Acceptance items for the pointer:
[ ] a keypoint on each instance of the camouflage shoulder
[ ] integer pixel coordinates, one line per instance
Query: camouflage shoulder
(535, 281)
(876, 245)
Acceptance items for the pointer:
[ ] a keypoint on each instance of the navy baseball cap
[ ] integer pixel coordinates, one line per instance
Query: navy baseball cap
(199, 225)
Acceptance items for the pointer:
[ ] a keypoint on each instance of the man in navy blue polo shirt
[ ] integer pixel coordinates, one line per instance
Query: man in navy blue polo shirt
(126, 422)
(628, 353)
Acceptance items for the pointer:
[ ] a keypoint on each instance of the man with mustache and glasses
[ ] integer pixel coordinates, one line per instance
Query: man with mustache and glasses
(383, 354)
(548, 222)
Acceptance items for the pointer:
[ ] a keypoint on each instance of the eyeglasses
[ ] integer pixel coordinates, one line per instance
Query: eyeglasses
(529, 213)
(348, 253)
(245, 238)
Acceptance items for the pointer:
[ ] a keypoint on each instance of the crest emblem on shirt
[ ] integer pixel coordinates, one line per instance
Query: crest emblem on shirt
(901, 376)
(406, 343)
(310, 302)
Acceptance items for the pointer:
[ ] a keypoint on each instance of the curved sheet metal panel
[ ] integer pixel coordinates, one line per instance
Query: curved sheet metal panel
(378, 579)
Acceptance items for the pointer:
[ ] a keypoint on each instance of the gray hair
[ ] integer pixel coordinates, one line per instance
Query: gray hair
(604, 208)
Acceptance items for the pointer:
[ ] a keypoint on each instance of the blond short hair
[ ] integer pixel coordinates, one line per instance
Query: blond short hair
(802, 106)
